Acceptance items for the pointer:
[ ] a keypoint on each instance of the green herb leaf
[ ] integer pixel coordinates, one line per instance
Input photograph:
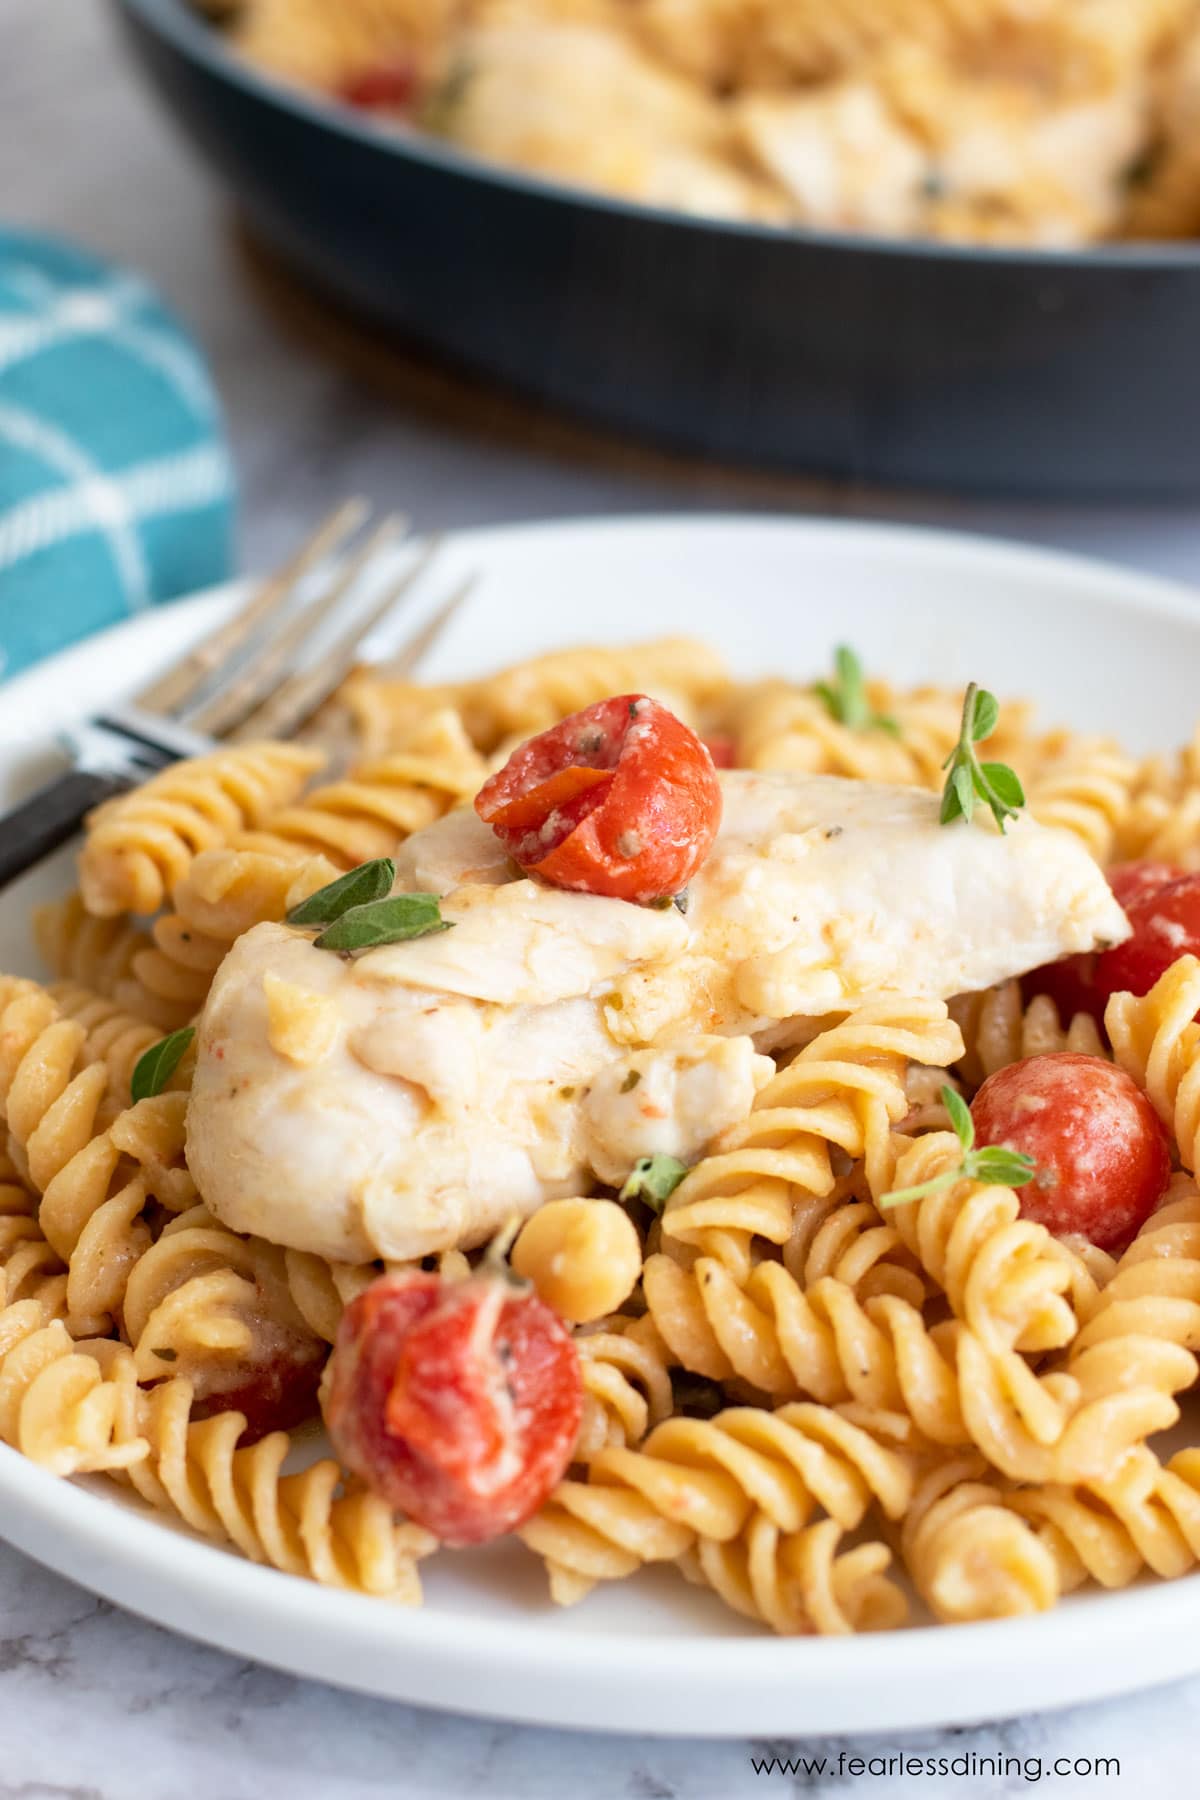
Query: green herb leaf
(845, 698)
(997, 1167)
(654, 1180)
(155, 1066)
(901, 1196)
(391, 921)
(986, 716)
(968, 779)
(1005, 783)
(951, 808)
(369, 882)
(964, 787)
(960, 1116)
(991, 1166)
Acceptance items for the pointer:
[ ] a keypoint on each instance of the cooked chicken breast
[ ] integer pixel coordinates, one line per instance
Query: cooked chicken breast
(415, 1097)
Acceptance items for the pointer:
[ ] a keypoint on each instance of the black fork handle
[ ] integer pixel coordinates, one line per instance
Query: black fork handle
(51, 816)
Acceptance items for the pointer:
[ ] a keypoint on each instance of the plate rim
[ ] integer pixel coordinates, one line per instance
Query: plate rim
(219, 1598)
(1113, 583)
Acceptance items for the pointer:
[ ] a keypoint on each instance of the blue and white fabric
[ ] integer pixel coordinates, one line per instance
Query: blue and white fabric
(115, 483)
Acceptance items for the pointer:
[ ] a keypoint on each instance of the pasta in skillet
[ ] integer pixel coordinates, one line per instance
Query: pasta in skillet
(680, 1128)
(1043, 122)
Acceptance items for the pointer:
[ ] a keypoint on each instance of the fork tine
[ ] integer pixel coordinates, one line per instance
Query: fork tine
(405, 661)
(232, 705)
(299, 698)
(170, 691)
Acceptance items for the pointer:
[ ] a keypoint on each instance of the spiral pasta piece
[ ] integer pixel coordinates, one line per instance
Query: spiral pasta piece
(999, 1029)
(787, 1339)
(58, 1400)
(520, 701)
(308, 1524)
(770, 1181)
(969, 1551)
(1011, 1282)
(958, 1389)
(704, 1480)
(258, 875)
(94, 1178)
(800, 1582)
(1154, 1291)
(1086, 789)
(50, 1096)
(1163, 827)
(778, 726)
(140, 846)
(1156, 1040)
(204, 1303)
(29, 1267)
(378, 804)
(99, 954)
(116, 1038)
(1102, 1505)
(61, 1401)
(842, 1092)
(225, 892)
(1110, 1530)
(626, 1384)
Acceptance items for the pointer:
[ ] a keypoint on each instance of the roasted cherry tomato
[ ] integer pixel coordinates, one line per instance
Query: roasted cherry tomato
(275, 1388)
(384, 87)
(1084, 983)
(1133, 881)
(620, 799)
(1103, 1162)
(722, 749)
(459, 1402)
(1166, 926)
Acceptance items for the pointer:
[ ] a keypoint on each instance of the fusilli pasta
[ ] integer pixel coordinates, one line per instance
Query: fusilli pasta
(308, 1524)
(784, 1380)
(140, 845)
(1000, 1028)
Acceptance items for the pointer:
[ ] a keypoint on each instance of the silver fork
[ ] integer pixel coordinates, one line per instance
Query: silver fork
(250, 678)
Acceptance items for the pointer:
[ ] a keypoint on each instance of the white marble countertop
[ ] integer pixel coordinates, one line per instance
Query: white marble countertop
(97, 1705)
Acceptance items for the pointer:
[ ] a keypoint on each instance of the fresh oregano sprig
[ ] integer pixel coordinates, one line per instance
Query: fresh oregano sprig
(993, 1165)
(846, 698)
(653, 1180)
(155, 1066)
(395, 920)
(370, 881)
(969, 779)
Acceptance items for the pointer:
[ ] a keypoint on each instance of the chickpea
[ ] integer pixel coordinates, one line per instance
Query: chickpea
(582, 1256)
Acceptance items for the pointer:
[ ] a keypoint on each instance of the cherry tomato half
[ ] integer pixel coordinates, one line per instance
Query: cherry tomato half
(273, 1384)
(722, 749)
(1084, 983)
(386, 86)
(1103, 1161)
(458, 1401)
(620, 799)
(1166, 926)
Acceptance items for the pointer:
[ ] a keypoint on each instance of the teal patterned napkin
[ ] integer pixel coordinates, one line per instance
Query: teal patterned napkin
(115, 485)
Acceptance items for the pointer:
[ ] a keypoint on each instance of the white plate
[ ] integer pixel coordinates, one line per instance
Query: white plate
(1098, 649)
